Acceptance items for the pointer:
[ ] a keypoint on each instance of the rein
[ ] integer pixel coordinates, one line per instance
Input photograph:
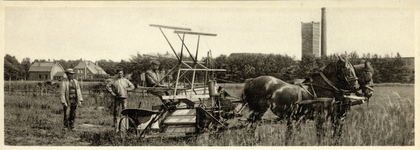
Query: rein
(313, 95)
(327, 81)
(365, 83)
(330, 84)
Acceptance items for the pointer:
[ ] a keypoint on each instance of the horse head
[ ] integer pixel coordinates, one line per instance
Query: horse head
(365, 72)
(342, 73)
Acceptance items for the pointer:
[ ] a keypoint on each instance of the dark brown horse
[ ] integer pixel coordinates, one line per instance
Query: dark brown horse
(365, 72)
(332, 82)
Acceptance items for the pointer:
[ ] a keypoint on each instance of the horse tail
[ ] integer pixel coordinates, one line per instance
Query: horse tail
(243, 97)
(248, 83)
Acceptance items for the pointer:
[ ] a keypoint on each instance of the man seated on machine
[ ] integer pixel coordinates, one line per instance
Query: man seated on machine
(154, 79)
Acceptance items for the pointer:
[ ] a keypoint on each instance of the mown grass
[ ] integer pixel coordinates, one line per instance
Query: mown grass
(387, 120)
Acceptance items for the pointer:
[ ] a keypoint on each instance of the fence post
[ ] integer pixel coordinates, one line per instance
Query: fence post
(41, 88)
(81, 85)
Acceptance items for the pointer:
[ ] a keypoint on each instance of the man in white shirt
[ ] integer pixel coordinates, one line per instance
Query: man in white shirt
(119, 88)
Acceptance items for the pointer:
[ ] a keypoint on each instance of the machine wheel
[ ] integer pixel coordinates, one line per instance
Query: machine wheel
(127, 127)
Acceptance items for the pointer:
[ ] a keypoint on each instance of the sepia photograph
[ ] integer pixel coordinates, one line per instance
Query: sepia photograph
(209, 73)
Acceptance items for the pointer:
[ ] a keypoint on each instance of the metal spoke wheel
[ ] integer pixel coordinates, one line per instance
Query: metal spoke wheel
(127, 127)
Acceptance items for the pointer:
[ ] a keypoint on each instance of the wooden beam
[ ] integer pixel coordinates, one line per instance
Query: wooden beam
(198, 62)
(203, 69)
(170, 27)
(318, 100)
(355, 97)
(185, 96)
(195, 33)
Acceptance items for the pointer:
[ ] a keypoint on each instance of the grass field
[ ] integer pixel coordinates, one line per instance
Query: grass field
(387, 120)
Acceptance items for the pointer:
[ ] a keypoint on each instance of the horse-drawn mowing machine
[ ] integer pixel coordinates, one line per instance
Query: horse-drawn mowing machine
(194, 108)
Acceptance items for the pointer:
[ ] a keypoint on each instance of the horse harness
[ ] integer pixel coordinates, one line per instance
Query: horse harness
(366, 74)
(312, 88)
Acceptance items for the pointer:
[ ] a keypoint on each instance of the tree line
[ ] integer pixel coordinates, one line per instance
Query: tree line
(239, 66)
(242, 66)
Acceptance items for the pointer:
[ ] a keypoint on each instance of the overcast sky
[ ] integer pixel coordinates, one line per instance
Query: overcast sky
(116, 32)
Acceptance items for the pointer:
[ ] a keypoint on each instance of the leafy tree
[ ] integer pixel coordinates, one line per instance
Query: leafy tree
(239, 66)
(63, 63)
(243, 66)
(72, 63)
(25, 65)
(398, 69)
(107, 65)
(12, 68)
(353, 57)
(306, 66)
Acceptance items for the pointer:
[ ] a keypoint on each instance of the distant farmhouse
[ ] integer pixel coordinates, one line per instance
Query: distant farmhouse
(88, 70)
(46, 71)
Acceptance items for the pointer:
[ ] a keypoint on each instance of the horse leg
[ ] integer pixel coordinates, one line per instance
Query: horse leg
(298, 125)
(337, 123)
(300, 117)
(255, 118)
(257, 107)
(319, 122)
(289, 131)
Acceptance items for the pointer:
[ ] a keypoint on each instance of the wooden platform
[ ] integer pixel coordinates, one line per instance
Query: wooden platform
(183, 116)
(185, 112)
(181, 121)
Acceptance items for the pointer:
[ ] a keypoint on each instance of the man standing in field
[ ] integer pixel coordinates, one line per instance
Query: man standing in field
(119, 88)
(71, 96)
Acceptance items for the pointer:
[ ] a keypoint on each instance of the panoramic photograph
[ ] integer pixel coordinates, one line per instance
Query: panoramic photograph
(209, 73)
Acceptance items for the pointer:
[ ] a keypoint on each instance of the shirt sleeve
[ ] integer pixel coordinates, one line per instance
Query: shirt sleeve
(79, 91)
(130, 85)
(109, 87)
(151, 81)
(63, 92)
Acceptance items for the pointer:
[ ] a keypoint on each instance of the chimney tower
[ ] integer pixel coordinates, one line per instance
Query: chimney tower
(323, 33)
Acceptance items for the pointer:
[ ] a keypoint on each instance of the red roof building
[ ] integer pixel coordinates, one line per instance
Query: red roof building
(46, 71)
(87, 70)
